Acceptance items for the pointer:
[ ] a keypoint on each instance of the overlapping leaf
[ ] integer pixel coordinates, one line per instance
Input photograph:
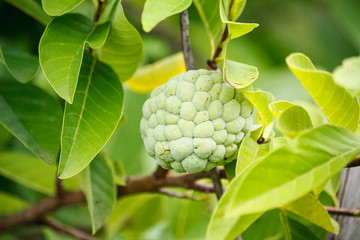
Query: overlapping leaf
(100, 191)
(92, 118)
(239, 75)
(147, 78)
(28, 171)
(293, 121)
(61, 50)
(33, 117)
(123, 49)
(348, 75)
(59, 7)
(339, 107)
(290, 172)
(21, 65)
(157, 10)
(247, 154)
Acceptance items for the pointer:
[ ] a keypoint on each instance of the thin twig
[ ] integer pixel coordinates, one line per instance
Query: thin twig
(215, 176)
(178, 195)
(352, 212)
(185, 40)
(73, 232)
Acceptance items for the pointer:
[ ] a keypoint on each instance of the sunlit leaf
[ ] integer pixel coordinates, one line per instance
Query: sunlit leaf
(279, 107)
(348, 75)
(147, 78)
(28, 171)
(21, 65)
(123, 49)
(157, 10)
(312, 210)
(33, 117)
(278, 142)
(59, 7)
(61, 50)
(317, 117)
(10, 204)
(290, 172)
(100, 191)
(339, 107)
(239, 75)
(32, 8)
(332, 187)
(247, 154)
(92, 118)
(236, 9)
(293, 121)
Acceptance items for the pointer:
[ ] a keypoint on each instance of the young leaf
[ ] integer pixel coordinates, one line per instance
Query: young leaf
(290, 172)
(123, 49)
(32, 8)
(59, 7)
(247, 154)
(312, 210)
(348, 75)
(293, 121)
(10, 204)
(33, 117)
(209, 14)
(157, 10)
(279, 107)
(92, 118)
(100, 191)
(147, 78)
(61, 50)
(339, 107)
(239, 75)
(28, 171)
(21, 65)
(236, 9)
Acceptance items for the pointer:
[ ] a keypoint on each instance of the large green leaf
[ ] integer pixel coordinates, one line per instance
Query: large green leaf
(290, 171)
(157, 10)
(61, 50)
(339, 107)
(293, 121)
(59, 7)
(10, 204)
(28, 171)
(33, 117)
(348, 75)
(92, 118)
(239, 75)
(209, 14)
(123, 49)
(312, 210)
(100, 191)
(32, 8)
(21, 65)
(247, 154)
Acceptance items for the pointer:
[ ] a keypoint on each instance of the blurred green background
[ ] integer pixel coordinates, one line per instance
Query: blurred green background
(325, 30)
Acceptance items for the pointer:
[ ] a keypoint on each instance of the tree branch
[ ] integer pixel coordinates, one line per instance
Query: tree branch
(215, 176)
(185, 40)
(73, 232)
(352, 212)
(134, 185)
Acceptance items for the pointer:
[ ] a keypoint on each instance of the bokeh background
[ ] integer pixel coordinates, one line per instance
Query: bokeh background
(325, 30)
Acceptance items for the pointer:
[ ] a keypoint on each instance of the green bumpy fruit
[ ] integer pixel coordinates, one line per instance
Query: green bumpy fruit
(195, 122)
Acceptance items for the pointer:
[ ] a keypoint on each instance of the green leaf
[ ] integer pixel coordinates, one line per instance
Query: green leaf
(312, 210)
(236, 9)
(59, 7)
(247, 154)
(239, 75)
(10, 204)
(348, 75)
(261, 101)
(317, 117)
(92, 118)
(100, 191)
(293, 121)
(157, 10)
(209, 14)
(279, 107)
(239, 29)
(32, 8)
(33, 117)
(296, 231)
(28, 171)
(61, 50)
(230, 169)
(21, 65)
(278, 142)
(123, 49)
(290, 172)
(339, 107)
(331, 188)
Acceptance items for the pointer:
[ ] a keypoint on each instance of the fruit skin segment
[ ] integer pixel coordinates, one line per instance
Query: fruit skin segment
(195, 122)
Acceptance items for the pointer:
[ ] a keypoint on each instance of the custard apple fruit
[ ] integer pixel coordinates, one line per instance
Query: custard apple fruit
(195, 121)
